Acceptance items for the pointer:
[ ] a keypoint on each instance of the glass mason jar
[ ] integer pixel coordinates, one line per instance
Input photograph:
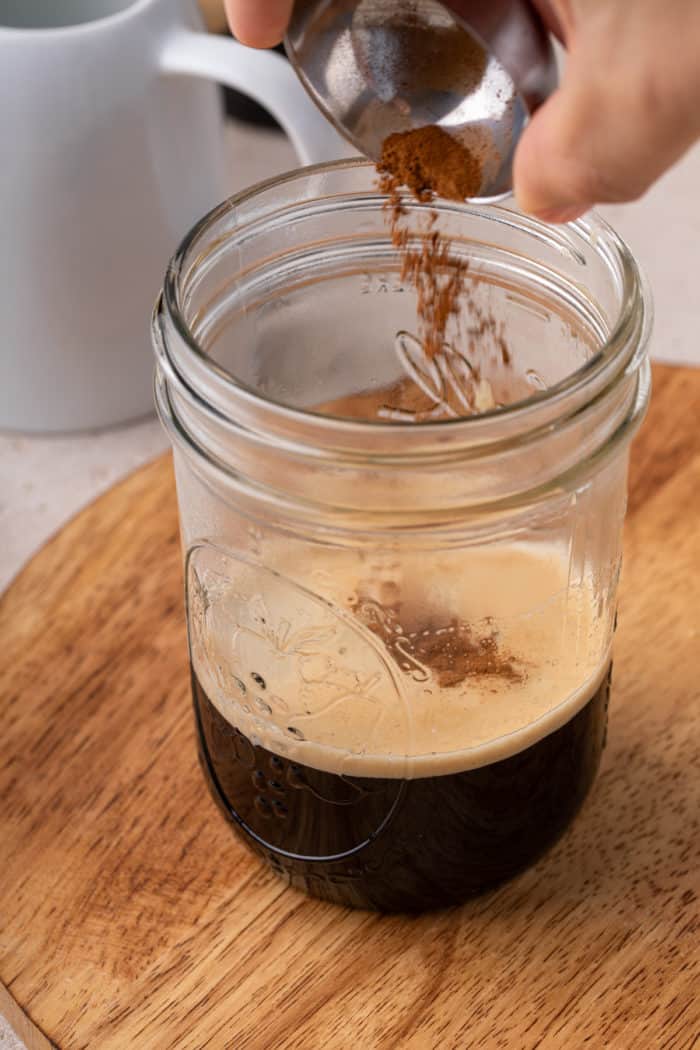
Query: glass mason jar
(400, 621)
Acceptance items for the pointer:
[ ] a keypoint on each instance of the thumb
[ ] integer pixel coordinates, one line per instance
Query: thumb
(258, 23)
(596, 140)
(552, 179)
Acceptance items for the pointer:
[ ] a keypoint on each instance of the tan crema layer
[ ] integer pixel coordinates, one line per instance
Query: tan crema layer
(335, 696)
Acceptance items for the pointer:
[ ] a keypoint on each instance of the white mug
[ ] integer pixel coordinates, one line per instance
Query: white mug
(110, 148)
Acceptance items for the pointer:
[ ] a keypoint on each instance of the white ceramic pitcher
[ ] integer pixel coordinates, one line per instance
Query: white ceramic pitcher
(110, 148)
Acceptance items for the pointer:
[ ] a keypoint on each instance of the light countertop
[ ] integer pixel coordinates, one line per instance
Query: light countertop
(44, 481)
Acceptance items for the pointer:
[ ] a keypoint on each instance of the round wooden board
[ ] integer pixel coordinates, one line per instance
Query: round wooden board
(130, 917)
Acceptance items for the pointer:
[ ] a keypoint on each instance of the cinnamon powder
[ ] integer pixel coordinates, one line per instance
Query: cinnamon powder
(449, 649)
(439, 283)
(429, 162)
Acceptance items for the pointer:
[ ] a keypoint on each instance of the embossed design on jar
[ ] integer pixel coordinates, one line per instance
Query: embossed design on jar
(280, 663)
(380, 283)
(287, 807)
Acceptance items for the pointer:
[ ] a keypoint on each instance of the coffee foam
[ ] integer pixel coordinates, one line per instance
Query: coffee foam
(303, 678)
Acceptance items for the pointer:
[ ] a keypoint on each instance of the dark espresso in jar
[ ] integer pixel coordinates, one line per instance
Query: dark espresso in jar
(397, 844)
(415, 738)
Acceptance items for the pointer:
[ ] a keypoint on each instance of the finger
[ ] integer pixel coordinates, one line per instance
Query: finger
(594, 141)
(259, 23)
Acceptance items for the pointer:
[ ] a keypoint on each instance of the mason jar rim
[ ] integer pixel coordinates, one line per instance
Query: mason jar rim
(630, 333)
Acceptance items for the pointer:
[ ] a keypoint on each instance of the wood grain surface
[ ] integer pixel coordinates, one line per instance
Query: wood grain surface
(130, 917)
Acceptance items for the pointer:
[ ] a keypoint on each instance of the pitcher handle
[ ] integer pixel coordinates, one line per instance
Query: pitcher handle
(264, 76)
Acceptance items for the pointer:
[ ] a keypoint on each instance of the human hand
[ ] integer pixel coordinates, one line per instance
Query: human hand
(259, 23)
(627, 109)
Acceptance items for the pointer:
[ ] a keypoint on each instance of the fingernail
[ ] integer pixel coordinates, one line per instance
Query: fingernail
(561, 214)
